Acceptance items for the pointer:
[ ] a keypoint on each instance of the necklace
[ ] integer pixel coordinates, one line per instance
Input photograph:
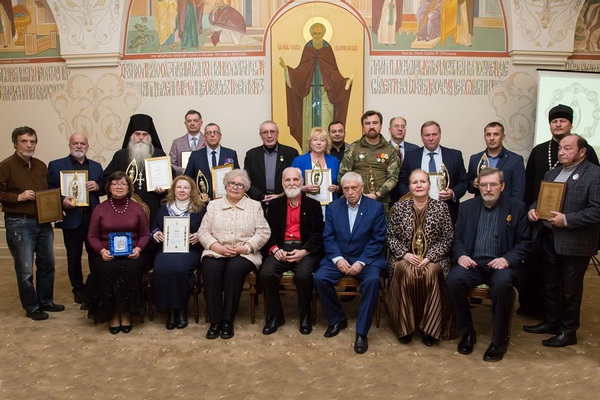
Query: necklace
(115, 208)
(550, 166)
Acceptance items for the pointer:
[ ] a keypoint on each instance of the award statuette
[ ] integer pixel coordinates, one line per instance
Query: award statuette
(444, 178)
(419, 243)
(202, 184)
(72, 184)
(132, 171)
(372, 181)
(74, 189)
(120, 244)
(484, 162)
(316, 177)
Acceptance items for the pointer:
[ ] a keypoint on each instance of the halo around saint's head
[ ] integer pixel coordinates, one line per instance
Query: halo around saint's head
(317, 20)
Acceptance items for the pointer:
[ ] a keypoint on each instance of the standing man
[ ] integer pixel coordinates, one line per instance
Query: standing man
(490, 239)
(191, 141)
(354, 242)
(21, 175)
(543, 158)
(337, 131)
(265, 164)
(210, 156)
(296, 245)
(76, 219)
(430, 158)
(397, 131)
(373, 158)
(511, 164)
(569, 239)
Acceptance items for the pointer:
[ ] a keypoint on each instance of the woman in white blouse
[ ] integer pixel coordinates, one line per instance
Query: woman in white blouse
(233, 231)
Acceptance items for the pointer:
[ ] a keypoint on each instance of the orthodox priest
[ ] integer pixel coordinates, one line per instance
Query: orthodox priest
(316, 91)
(141, 142)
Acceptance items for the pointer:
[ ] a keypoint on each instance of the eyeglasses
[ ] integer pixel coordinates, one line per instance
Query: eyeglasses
(236, 185)
(351, 188)
(115, 184)
(489, 185)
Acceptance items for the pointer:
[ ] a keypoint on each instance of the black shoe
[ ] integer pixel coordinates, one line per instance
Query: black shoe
(273, 323)
(361, 344)
(465, 346)
(114, 329)
(543, 327)
(214, 330)
(79, 297)
(126, 328)
(494, 353)
(53, 307)
(333, 330)
(428, 340)
(182, 321)
(37, 315)
(406, 339)
(171, 324)
(227, 330)
(305, 325)
(563, 339)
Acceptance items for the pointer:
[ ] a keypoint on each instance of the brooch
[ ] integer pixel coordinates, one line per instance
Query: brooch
(508, 219)
(575, 177)
(362, 156)
(382, 157)
(280, 158)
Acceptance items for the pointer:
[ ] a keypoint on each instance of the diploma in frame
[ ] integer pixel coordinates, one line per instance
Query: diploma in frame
(324, 196)
(158, 173)
(551, 197)
(185, 158)
(176, 231)
(72, 184)
(217, 175)
(120, 244)
(48, 206)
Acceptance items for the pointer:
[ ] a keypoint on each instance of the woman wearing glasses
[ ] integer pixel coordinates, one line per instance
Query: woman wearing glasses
(114, 287)
(232, 233)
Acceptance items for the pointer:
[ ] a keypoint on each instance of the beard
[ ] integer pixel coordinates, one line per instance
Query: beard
(26, 153)
(139, 151)
(292, 192)
(78, 153)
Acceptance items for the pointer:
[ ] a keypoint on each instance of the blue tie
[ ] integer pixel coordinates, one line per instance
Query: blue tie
(214, 158)
(194, 143)
(432, 167)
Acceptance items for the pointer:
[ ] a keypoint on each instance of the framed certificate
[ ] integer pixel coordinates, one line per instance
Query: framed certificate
(185, 158)
(72, 184)
(176, 231)
(434, 188)
(158, 173)
(218, 173)
(324, 196)
(551, 197)
(48, 206)
(120, 244)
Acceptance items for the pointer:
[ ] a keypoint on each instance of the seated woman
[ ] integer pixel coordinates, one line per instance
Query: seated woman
(173, 277)
(319, 146)
(232, 233)
(419, 239)
(114, 287)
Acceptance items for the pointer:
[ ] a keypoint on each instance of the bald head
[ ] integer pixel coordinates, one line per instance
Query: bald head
(78, 146)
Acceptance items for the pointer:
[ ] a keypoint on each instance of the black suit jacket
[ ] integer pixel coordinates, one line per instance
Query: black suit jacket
(199, 162)
(254, 164)
(311, 224)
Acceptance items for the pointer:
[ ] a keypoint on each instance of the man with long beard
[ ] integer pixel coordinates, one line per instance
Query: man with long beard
(141, 142)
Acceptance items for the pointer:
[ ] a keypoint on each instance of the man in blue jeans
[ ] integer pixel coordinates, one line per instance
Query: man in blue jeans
(21, 175)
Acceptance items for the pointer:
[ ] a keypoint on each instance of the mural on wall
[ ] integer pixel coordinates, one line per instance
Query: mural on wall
(587, 32)
(317, 70)
(27, 30)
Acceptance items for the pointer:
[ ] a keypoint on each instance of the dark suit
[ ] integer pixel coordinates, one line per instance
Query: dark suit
(512, 236)
(567, 251)
(199, 162)
(254, 164)
(365, 243)
(76, 220)
(311, 238)
(395, 193)
(455, 165)
(512, 167)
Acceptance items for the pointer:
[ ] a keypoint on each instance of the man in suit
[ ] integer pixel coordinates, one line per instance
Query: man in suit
(397, 130)
(569, 239)
(76, 218)
(337, 131)
(265, 164)
(354, 242)
(210, 156)
(296, 245)
(491, 237)
(430, 158)
(511, 164)
(191, 141)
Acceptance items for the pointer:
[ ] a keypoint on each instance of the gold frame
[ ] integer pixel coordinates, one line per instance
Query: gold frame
(215, 172)
(48, 206)
(64, 182)
(551, 198)
(166, 160)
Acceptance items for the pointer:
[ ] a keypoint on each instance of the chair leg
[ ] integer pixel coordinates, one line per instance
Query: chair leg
(378, 312)
(510, 318)
(196, 307)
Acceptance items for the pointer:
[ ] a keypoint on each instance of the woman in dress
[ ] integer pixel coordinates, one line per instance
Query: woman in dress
(419, 238)
(232, 233)
(114, 287)
(173, 277)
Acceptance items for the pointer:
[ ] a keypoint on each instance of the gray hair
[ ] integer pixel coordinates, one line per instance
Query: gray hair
(290, 169)
(351, 176)
(234, 174)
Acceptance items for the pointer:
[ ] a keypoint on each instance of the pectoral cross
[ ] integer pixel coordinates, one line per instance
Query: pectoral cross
(140, 180)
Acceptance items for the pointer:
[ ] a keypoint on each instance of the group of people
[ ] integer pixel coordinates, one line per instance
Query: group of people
(395, 213)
